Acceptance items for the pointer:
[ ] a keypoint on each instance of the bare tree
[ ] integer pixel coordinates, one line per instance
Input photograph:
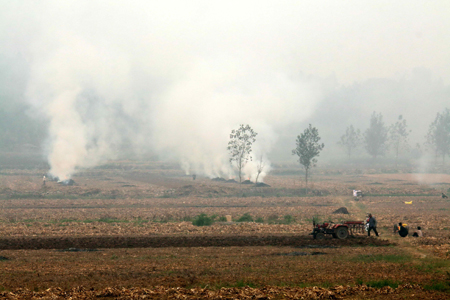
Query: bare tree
(307, 149)
(376, 136)
(350, 140)
(398, 135)
(240, 147)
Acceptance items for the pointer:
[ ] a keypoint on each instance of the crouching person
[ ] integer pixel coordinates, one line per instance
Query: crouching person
(418, 233)
(402, 230)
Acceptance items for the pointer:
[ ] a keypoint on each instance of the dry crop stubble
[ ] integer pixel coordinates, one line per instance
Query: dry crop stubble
(205, 267)
(106, 203)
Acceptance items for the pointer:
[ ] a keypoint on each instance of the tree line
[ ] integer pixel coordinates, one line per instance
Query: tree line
(379, 138)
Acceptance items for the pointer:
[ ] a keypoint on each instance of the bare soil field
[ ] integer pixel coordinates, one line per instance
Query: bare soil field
(125, 231)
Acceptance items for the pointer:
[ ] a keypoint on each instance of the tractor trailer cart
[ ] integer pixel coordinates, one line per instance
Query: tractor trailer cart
(339, 230)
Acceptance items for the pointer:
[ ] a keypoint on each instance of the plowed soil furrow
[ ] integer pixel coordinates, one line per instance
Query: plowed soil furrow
(179, 241)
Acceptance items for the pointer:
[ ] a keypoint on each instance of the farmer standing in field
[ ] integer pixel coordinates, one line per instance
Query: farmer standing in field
(372, 225)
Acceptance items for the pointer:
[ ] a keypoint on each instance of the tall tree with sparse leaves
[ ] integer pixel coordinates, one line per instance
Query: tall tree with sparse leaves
(376, 136)
(307, 149)
(350, 140)
(240, 147)
(438, 137)
(398, 135)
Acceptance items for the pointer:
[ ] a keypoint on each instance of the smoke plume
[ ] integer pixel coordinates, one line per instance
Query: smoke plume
(173, 78)
(108, 83)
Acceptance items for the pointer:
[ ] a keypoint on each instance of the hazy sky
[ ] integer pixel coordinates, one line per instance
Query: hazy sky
(177, 76)
(354, 40)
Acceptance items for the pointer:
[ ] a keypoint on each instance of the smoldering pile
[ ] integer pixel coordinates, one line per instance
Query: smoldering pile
(68, 182)
(258, 184)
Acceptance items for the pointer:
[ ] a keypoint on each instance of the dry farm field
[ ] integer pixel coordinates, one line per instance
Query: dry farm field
(126, 231)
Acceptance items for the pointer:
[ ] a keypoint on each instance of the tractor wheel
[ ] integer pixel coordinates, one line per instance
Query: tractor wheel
(319, 236)
(341, 233)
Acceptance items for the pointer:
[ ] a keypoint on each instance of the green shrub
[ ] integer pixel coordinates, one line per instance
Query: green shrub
(245, 218)
(202, 220)
(438, 286)
(288, 219)
(383, 283)
(259, 220)
(242, 283)
(222, 219)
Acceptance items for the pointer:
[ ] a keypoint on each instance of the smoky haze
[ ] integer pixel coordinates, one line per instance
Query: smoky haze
(175, 78)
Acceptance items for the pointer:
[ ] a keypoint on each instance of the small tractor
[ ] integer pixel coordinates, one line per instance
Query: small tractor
(339, 231)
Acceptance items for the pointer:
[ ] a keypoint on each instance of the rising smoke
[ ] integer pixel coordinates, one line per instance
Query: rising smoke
(175, 77)
(157, 86)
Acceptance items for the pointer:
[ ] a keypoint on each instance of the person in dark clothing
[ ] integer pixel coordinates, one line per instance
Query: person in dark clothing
(402, 230)
(372, 225)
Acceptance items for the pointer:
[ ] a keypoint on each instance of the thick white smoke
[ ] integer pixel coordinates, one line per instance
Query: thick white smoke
(194, 118)
(78, 88)
(175, 77)
(152, 78)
